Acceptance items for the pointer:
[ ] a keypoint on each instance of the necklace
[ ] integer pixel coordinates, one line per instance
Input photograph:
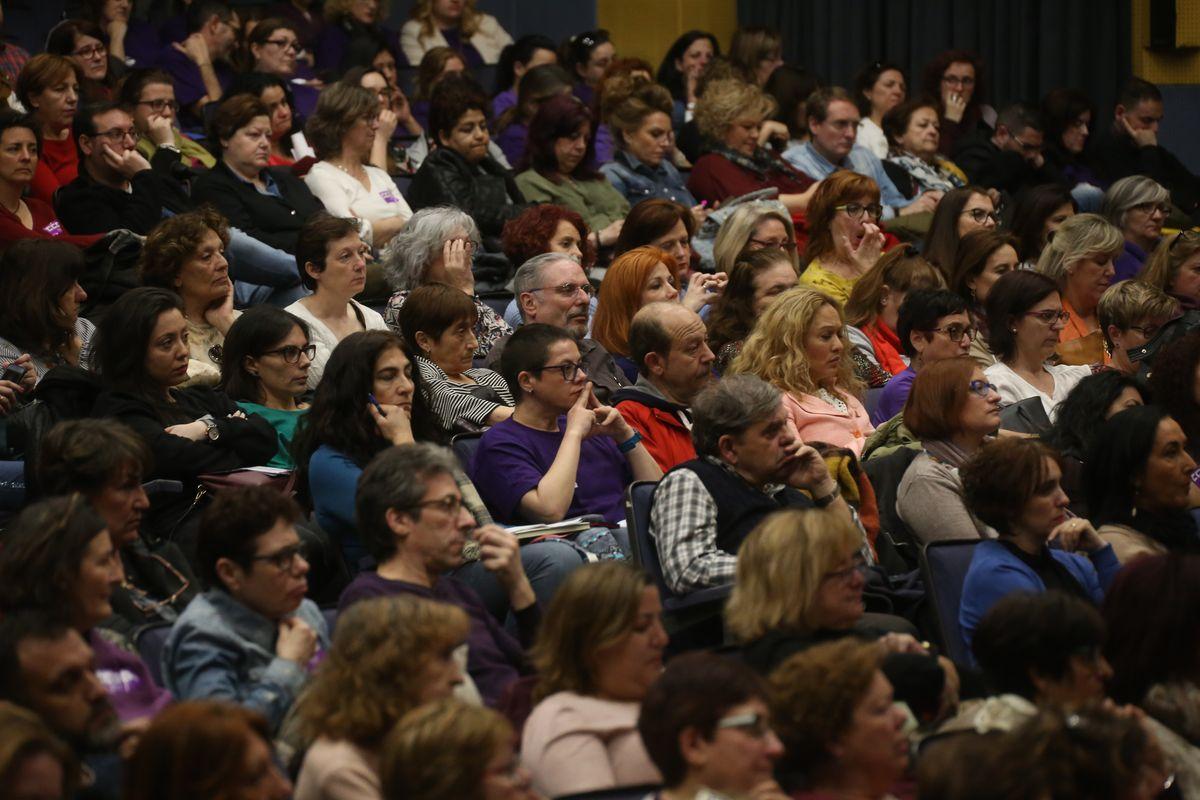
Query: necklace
(15, 210)
(356, 175)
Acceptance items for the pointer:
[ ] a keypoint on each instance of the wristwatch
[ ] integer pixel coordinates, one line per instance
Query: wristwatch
(213, 431)
(822, 502)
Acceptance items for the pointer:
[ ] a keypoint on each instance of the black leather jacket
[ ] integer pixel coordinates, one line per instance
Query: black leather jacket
(485, 190)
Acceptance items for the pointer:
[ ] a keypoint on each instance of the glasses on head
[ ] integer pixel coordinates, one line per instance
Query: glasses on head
(118, 134)
(753, 723)
(450, 504)
(1050, 316)
(568, 289)
(856, 567)
(284, 560)
(982, 388)
(955, 333)
(91, 52)
(568, 370)
(982, 214)
(1150, 208)
(782, 244)
(958, 80)
(291, 354)
(1189, 235)
(160, 104)
(855, 211)
(285, 44)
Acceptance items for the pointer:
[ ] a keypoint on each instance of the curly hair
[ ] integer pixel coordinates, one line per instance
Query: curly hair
(626, 101)
(1173, 380)
(1083, 412)
(900, 269)
(727, 100)
(732, 316)
(529, 234)
(621, 292)
(813, 696)
(775, 350)
(175, 240)
(374, 671)
(841, 187)
(442, 750)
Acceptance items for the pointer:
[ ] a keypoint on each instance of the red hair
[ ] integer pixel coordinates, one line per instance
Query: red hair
(621, 295)
(841, 187)
(528, 234)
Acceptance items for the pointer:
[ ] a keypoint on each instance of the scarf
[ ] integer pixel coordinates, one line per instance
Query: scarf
(946, 452)
(762, 164)
(887, 346)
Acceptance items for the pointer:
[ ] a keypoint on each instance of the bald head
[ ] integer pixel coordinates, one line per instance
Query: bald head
(668, 343)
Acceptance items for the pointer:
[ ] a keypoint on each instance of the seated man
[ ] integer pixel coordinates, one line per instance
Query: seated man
(149, 96)
(198, 65)
(552, 288)
(833, 123)
(933, 324)
(667, 342)
(252, 637)
(46, 667)
(1010, 159)
(1130, 313)
(751, 463)
(411, 519)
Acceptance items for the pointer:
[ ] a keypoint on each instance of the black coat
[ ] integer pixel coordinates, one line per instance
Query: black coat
(1117, 156)
(486, 191)
(275, 221)
(988, 166)
(85, 206)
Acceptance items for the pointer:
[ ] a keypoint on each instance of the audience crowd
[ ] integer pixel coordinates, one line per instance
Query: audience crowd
(710, 431)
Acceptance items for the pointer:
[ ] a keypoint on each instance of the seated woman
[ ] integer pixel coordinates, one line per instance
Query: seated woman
(912, 137)
(435, 23)
(269, 204)
(342, 131)
(436, 246)
(389, 655)
(799, 345)
(141, 353)
(516, 60)
(273, 47)
(587, 56)
(59, 558)
(757, 278)
(731, 114)
(561, 454)
(559, 166)
(264, 369)
(435, 66)
(334, 268)
(1038, 213)
(437, 323)
(86, 45)
(825, 697)
(538, 85)
(48, 87)
(1080, 258)
(956, 78)
(1013, 485)
(754, 226)
(35, 757)
(1131, 313)
(680, 70)
(185, 254)
(952, 410)
(982, 257)
(396, 119)
(104, 461)
(353, 33)
(40, 298)
(639, 113)
(1174, 268)
(667, 225)
(1069, 116)
(277, 96)
(1173, 386)
(1138, 207)
(878, 88)
(598, 652)
(844, 236)
(1137, 478)
(1025, 319)
(959, 212)
(29, 217)
(459, 172)
(874, 305)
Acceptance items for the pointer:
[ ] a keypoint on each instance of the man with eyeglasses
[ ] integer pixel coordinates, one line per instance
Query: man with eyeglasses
(198, 65)
(552, 288)
(252, 637)
(1010, 159)
(933, 325)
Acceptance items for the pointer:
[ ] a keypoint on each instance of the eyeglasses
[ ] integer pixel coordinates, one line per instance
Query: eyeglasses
(981, 214)
(1188, 234)
(284, 560)
(955, 333)
(855, 211)
(91, 52)
(753, 723)
(160, 104)
(568, 289)
(118, 134)
(782, 244)
(982, 388)
(1150, 208)
(568, 370)
(1148, 331)
(858, 565)
(958, 80)
(142, 602)
(1049, 316)
(285, 44)
(1027, 146)
(291, 354)
(450, 504)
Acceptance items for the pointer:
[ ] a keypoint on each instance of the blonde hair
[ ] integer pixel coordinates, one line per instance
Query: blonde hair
(372, 674)
(1079, 237)
(441, 751)
(775, 352)
(735, 233)
(594, 608)
(727, 100)
(1162, 268)
(780, 567)
(901, 269)
(1126, 302)
(422, 11)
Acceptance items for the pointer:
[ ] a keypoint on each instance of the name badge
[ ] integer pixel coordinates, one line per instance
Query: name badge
(54, 229)
(389, 196)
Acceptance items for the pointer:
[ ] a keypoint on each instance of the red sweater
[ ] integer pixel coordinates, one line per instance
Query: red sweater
(45, 226)
(58, 165)
(887, 346)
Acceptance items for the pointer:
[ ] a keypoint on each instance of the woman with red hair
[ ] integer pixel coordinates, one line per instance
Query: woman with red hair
(547, 228)
(844, 236)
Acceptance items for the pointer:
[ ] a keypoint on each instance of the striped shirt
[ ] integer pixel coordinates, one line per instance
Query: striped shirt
(84, 329)
(459, 403)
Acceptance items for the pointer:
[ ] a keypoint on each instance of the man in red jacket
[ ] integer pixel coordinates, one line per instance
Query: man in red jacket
(669, 344)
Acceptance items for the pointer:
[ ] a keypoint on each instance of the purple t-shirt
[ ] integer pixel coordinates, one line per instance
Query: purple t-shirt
(512, 141)
(189, 86)
(512, 459)
(131, 689)
(495, 658)
(1129, 263)
(893, 397)
(503, 102)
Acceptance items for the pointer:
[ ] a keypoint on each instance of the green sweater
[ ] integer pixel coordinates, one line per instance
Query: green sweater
(596, 201)
(284, 423)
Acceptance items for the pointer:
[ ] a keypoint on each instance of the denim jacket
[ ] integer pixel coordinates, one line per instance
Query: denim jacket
(220, 649)
(638, 181)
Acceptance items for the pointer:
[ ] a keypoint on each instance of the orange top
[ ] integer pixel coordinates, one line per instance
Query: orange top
(1077, 345)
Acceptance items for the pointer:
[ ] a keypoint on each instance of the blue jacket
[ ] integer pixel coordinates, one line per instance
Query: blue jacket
(220, 649)
(638, 181)
(805, 158)
(996, 572)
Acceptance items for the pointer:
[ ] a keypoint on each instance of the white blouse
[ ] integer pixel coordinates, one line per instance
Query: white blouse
(343, 196)
(1013, 388)
(325, 340)
(871, 137)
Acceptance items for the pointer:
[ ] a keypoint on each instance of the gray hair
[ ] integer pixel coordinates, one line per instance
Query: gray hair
(1129, 192)
(420, 242)
(1079, 237)
(730, 407)
(396, 478)
(529, 274)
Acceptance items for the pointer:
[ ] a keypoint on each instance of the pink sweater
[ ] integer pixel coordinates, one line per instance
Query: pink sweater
(818, 421)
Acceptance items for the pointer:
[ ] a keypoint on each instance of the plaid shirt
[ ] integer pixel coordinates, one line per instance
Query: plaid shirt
(12, 59)
(683, 522)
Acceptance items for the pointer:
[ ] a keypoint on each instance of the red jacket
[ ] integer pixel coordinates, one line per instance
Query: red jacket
(665, 436)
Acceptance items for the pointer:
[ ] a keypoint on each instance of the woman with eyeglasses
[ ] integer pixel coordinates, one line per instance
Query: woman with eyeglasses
(758, 277)
(273, 47)
(956, 79)
(912, 133)
(1080, 258)
(1014, 485)
(561, 454)
(755, 226)
(48, 87)
(960, 211)
(86, 45)
(1139, 207)
(845, 240)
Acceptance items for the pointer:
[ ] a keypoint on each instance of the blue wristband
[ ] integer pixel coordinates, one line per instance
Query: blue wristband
(630, 443)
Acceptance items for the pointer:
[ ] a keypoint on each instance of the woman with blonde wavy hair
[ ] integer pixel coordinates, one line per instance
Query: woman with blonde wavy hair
(389, 655)
(754, 226)
(799, 344)
(456, 24)
(1174, 267)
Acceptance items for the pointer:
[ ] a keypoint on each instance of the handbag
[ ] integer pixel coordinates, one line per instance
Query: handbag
(217, 482)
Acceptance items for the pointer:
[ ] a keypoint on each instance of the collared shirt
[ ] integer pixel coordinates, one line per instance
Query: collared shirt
(270, 187)
(638, 181)
(805, 158)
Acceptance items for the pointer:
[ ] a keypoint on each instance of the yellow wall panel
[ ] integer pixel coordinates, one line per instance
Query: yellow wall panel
(1170, 67)
(646, 28)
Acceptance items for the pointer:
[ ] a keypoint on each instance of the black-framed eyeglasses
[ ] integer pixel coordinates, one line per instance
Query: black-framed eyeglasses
(982, 388)
(449, 504)
(1148, 331)
(1150, 208)
(855, 211)
(118, 134)
(291, 354)
(782, 244)
(284, 559)
(159, 104)
(956, 332)
(958, 80)
(752, 723)
(285, 44)
(856, 567)
(981, 214)
(568, 289)
(568, 371)
(1050, 315)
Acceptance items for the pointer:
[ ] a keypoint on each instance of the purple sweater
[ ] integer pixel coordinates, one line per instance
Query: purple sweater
(131, 689)
(495, 659)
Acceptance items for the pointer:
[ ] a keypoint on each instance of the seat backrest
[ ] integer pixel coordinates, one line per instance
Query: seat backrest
(944, 567)
(885, 474)
(150, 640)
(639, 498)
(464, 446)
